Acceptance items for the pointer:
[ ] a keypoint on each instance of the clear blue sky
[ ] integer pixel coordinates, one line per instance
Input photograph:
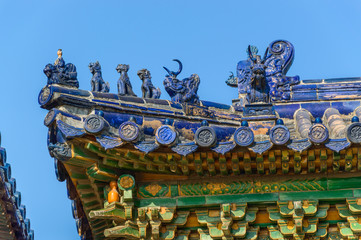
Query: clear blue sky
(209, 37)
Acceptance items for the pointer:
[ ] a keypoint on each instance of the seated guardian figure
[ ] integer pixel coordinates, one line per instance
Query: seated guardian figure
(124, 85)
(148, 90)
(97, 82)
(61, 73)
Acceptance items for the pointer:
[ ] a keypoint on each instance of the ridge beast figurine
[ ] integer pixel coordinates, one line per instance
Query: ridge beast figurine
(148, 90)
(277, 60)
(124, 85)
(97, 82)
(61, 73)
(182, 91)
(257, 90)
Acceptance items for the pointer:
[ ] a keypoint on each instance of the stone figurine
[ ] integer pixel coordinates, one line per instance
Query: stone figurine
(124, 85)
(148, 90)
(182, 91)
(61, 73)
(97, 82)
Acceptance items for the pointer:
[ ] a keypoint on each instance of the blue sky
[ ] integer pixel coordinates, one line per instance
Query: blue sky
(209, 37)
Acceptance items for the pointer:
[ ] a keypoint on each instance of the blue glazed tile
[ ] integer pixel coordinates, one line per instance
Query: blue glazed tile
(185, 125)
(115, 119)
(236, 117)
(305, 87)
(133, 106)
(149, 131)
(71, 91)
(224, 147)
(107, 102)
(354, 79)
(131, 99)
(238, 108)
(345, 107)
(304, 92)
(340, 86)
(68, 130)
(286, 111)
(176, 105)
(229, 116)
(317, 108)
(224, 133)
(160, 110)
(312, 81)
(156, 101)
(215, 105)
(105, 95)
(67, 114)
(333, 95)
(304, 96)
(261, 117)
(185, 148)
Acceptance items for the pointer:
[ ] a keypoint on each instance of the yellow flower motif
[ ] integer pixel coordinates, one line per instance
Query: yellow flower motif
(126, 182)
(153, 189)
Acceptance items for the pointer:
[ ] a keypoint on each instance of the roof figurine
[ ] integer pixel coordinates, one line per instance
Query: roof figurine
(181, 91)
(257, 88)
(277, 60)
(97, 82)
(61, 73)
(124, 85)
(59, 61)
(148, 90)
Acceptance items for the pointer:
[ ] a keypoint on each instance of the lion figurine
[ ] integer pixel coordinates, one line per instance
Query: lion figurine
(124, 85)
(97, 82)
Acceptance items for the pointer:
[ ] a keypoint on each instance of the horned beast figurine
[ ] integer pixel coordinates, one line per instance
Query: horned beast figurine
(124, 85)
(61, 73)
(97, 82)
(148, 90)
(182, 91)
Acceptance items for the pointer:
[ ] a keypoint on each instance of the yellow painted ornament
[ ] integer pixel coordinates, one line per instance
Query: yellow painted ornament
(113, 195)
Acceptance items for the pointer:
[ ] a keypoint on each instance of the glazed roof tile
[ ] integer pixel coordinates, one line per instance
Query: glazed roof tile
(13, 221)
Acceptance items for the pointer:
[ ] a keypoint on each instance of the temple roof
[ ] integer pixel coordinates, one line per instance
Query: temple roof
(13, 221)
(174, 153)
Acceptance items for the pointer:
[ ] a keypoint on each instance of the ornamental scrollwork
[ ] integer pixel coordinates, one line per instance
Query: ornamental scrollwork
(264, 79)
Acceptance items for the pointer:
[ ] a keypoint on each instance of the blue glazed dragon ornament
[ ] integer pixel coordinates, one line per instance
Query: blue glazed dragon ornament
(272, 68)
